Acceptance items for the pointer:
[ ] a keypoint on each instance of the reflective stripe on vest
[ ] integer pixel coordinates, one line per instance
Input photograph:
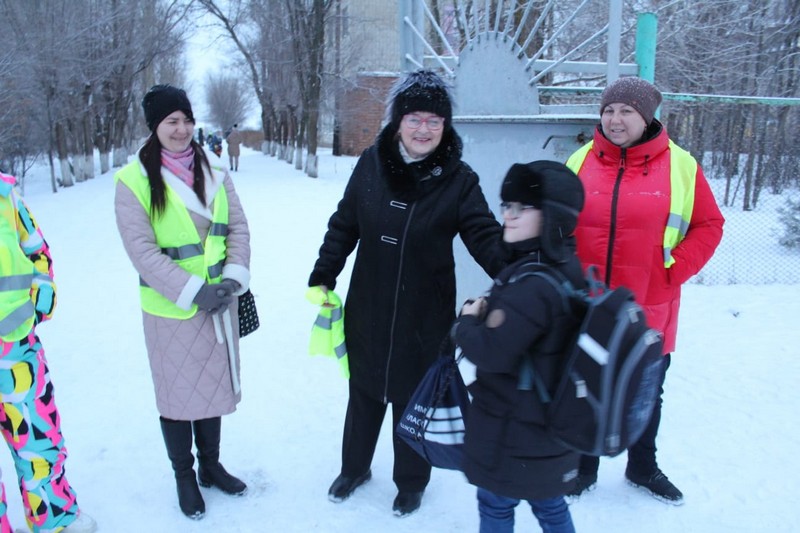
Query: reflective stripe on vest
(328, 323)
(327, 333)
(17, 311)
(682, 175)
(177, 236)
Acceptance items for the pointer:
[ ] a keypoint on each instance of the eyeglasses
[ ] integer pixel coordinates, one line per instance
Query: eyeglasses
(515, 209)
(414, 122)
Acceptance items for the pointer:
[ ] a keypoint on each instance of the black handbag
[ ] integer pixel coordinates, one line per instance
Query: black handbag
(248, 315)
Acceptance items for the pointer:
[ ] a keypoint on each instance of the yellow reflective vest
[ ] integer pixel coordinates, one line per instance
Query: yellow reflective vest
(327, 333)
(682, 175)
(177, 236)
(17, 312)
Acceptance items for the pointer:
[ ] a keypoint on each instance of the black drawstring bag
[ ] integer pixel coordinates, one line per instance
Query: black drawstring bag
(433, 423)
(248, 315)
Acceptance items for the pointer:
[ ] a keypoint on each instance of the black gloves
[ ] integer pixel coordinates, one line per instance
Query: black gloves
(215, 298)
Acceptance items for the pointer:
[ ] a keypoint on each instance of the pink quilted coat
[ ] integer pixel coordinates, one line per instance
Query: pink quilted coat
(190, 369)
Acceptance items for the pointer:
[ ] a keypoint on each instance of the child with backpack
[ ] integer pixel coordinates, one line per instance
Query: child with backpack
(509, 453)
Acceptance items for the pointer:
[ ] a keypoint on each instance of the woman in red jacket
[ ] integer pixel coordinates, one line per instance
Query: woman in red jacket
(650, 223)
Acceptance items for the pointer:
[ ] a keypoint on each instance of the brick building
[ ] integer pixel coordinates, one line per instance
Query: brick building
(371, 62)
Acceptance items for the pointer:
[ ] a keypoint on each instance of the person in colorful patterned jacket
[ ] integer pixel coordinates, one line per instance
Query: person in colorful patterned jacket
(650, 223)
(29, 418)
(185, 231)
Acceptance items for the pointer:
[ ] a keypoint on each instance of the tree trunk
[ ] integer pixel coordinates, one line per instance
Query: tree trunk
(63, 159)
(88, 147)
(315, 73)
(102, 143)
(298, 162)
(337, 71)
(311, 160)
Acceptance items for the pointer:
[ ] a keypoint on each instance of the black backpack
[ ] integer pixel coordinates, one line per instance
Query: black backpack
(611, 373)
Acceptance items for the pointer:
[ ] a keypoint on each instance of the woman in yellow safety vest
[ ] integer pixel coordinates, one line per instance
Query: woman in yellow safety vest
(184, 229)
(650, 223)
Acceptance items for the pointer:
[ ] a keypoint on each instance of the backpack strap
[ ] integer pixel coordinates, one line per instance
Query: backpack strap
(529, 378)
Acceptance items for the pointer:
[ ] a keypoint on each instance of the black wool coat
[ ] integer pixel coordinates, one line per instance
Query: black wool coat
(401, 300)
(508, 450)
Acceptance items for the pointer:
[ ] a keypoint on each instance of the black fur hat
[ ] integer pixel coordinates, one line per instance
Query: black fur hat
(557, 191)
(422, 90)
(522, 185)
(163, 100)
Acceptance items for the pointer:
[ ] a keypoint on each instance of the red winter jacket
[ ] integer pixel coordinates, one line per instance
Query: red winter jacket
(621, 227)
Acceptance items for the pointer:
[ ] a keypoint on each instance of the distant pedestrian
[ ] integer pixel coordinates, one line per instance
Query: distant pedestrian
(215, 143)
(234, 141)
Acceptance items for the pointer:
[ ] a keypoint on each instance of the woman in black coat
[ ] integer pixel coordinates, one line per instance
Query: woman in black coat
(408, 197)
(509, 454)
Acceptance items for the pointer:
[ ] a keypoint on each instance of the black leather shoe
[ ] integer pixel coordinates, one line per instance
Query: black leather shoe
(583, 484)
(343, 486)
(658, 485)
(406, 503)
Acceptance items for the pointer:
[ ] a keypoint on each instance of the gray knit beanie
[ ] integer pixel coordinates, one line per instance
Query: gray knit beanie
(635, 92)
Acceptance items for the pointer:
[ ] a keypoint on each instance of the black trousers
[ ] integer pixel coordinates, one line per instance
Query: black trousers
(642, 455)
(362, 426)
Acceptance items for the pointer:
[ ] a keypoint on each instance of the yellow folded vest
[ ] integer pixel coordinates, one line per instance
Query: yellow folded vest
(327, 333)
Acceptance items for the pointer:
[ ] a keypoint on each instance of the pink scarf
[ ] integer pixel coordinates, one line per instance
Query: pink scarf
(180, 163)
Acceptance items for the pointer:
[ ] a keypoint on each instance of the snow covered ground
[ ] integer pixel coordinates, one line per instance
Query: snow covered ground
(729, 437)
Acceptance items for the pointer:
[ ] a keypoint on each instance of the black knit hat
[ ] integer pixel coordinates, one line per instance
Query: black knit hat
(635, 92)
(422, 90)
(557, 191)
(163, 100)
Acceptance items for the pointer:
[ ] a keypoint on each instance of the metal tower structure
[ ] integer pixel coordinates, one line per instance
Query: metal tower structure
(495, 56)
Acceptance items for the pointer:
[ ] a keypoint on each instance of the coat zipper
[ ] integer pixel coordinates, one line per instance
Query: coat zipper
(394, 311)
(612, 234)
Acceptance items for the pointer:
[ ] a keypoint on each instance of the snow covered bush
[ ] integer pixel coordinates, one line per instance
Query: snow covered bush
(790, 218)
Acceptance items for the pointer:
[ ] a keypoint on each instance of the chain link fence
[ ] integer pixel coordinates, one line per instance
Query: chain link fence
(750, 251)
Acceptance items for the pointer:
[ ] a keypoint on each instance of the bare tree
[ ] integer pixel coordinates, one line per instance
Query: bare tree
(228, 102)
(82, 63)
(252, 50)
(307, 23)
(271, 17)
(739, 48)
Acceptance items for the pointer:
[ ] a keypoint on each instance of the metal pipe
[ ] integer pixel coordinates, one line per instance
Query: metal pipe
(684, 97)
(614, 37)
(646, 36)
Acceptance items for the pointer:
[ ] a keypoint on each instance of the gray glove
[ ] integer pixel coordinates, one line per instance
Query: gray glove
(232, 285)
(214, 298)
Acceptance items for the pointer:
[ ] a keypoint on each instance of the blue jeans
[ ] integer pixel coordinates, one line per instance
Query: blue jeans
(497, 513)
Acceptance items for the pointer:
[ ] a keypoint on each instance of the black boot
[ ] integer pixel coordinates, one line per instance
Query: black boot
(210, 472)
(406, 503)
(178, 438)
